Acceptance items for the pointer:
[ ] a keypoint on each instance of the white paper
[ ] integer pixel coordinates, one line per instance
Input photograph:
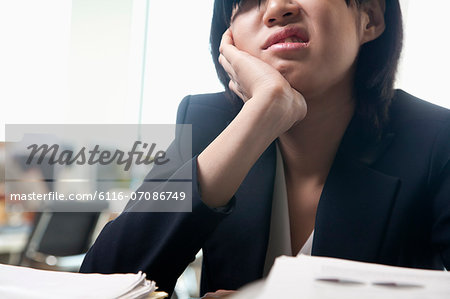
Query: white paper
(299, 277)
(27, 283)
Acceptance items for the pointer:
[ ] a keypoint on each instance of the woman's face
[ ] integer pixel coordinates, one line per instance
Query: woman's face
(313, 43)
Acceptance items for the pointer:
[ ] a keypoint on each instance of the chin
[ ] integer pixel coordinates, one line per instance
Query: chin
(298, 76)
(298, 81)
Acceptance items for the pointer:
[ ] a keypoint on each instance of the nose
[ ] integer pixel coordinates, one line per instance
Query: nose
(280, 12)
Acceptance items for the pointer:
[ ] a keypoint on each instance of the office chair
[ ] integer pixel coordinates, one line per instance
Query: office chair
(59, 240)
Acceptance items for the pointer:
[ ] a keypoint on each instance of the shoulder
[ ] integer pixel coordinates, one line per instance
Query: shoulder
(413, 119)
(408, 110)
(209, 115)
(195, 106)
(422, 129)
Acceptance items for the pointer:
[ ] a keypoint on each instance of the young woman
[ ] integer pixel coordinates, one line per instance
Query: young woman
(309, 150)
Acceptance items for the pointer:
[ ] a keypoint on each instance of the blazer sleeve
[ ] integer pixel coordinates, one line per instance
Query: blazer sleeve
(440, 188)
(161, 244)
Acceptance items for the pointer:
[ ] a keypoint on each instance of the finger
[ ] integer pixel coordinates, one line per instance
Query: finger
(227, 67)
(211, 295)
(218, 294)
(228, 49)
(225, 292)
(227, 39)
(232, 54)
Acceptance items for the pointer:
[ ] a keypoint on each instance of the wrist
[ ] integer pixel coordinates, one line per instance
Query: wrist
(274, 115)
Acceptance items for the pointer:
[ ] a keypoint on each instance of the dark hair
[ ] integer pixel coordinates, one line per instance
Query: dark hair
(375, 70)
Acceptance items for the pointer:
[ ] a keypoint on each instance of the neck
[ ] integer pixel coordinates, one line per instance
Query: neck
(309, 147)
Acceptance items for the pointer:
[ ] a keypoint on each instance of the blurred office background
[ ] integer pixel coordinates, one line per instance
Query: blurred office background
(132, 61)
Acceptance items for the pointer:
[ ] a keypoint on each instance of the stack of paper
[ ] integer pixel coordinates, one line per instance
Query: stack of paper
(21, 282)
(320, 278)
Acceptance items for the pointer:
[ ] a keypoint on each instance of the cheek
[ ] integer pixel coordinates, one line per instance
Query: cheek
(240, 36)
(339, 39)
(245, 29)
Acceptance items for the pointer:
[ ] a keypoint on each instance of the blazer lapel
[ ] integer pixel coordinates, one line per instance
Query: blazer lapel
(356, 202)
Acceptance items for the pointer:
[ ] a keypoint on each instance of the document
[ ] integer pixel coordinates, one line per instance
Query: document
(27, 283)
(320, 277)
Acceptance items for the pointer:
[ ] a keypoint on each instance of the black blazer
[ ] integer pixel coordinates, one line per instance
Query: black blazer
(385, 201)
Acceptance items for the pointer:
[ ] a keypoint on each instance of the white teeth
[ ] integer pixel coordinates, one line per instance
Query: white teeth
(292, 40)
